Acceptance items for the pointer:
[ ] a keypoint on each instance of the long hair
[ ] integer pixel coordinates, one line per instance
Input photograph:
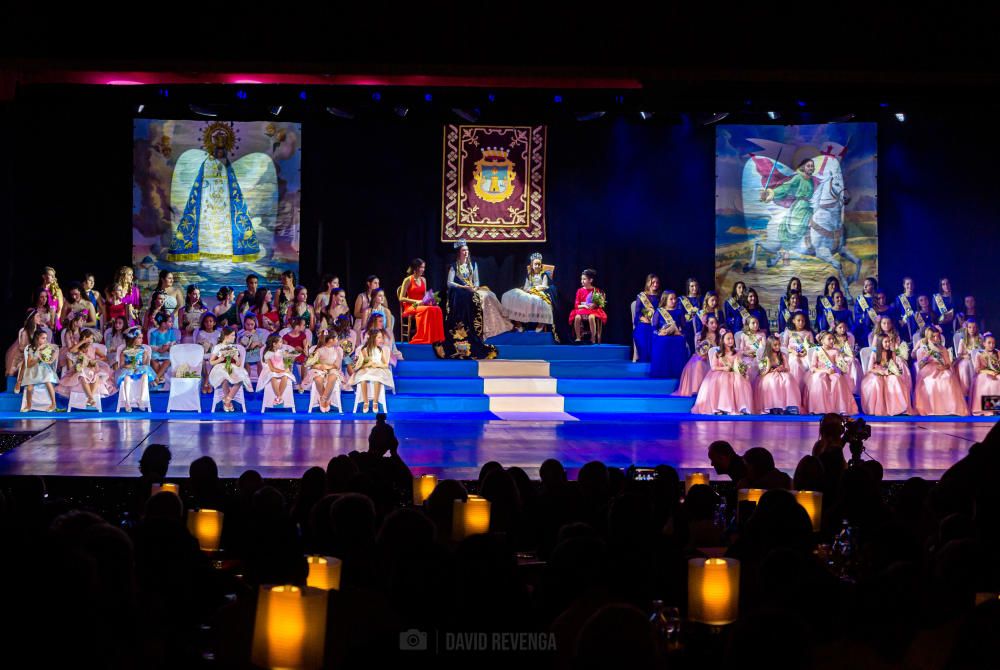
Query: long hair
(226, 332)
(830, 281)
(708, 294)
(259, 302)
(324, 284)
(29, 324)
(881, 351)
(742, 300)
(370, 340)
(756, 296)
(34, 337)
(269, 343)
(162, 278)
(726, 350)
(687, 286)
(788, 288)
(187, 298)
(713, 333)
(775, 357)
(649, 282)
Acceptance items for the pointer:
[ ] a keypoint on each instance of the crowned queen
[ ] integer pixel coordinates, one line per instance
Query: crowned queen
(532, 302)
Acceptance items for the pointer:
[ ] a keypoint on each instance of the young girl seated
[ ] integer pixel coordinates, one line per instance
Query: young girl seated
(937, 390)
(697, 366)
(987, 381)
(796, 341)
(87, 371)
(884, 389)
(372, 366)
(298, 340)
(324, 365)
(966, 351)
(277, 371)
(751, 343)
(227, 368)
(15, 354)
(207, 337)
(160, 341)
(532, 302)
(114, 339)
(38, 369)
(726, 388)
(133, 361)
(829, 389)
(777, 390)
(587, 310)
(252, 339)
(349, 343)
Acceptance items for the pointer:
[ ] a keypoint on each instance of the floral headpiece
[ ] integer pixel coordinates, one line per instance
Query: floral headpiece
(133, 332)
(988, 333)
(460, 243)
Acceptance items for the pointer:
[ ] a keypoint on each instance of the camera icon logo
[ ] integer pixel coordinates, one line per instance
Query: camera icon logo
(413, 640)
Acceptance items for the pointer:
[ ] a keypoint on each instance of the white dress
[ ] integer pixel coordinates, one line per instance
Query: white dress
(208, 340)
(238, 373)
(526, 305)
(366, 370)
(266, 374)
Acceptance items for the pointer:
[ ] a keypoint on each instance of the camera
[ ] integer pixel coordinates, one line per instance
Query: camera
(413, 640)
(856, 431)
(990, 403)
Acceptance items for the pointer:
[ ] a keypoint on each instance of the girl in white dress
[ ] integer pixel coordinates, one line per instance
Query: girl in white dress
(276, 371)
(227, 368)
(207, 337)
(373, 366)
(87, 371)
(531, 303)
(324, 365)
(253, 339)
(39, 369)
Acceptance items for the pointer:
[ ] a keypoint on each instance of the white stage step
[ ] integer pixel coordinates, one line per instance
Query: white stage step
(519, 386)
(503, 368)
(527, 403)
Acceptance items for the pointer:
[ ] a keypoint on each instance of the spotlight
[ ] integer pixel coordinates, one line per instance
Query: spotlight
(241, 94)
(202, 110)
(774, 116)
(376, 96)
(164, 92)
(646, 116)
(714, 118)
(557, 99)
(491, 97)
(470, 115)
(141, 107)
(302, 95)
(402, 111)
(428, 97)
(276, 111)
(800, 103)
(589, 116)
(842, 119)
(901, 117)
(340, 113)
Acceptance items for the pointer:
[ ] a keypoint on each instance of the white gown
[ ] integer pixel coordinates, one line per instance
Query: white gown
(525, 305)
(383, 375)
(238, 375)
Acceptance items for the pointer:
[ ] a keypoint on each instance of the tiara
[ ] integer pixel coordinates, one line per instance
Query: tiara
(134, 331)
(460, 243)
(535, 256)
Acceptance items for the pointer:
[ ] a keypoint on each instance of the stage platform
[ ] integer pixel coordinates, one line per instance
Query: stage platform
(537, 400)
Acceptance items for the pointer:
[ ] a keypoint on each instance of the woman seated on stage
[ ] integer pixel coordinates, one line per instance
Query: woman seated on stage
(38, 369)
(157, 306)
(207, 337)
(130, 294)
(691, 304)
(95, 298)
(372, 366)
(284, 297)
(754, 308)
(796, 341)
(751, 343)
(160, 341)
(15, 353)
(300, 309)
(363, 303)
(253, 340)
(298, 340)
(865, 317)
(966, 352)
(173, 298)
(697, 366)
(668, 319)
(263, 308)
(726, 388)
(824, 302)
(829, 388)
(969, 311)
(77, 303)
(324, 369)
(114, 339)
(885, 390)
(987, 381)
(777, 391)
(642, 323)
(419, 303)
(88, 371)
(228, 371)
(844, 340)
(922, 317)
(189, 316)
(246, 299)
(474, 314)
(532, 303)
(275, 372)
(794, 304)
(944, 308)
(588, 306)
(226, 312)
(735, 307)
(839, 311)
(937, 390)
(134, 360)
(668, 348)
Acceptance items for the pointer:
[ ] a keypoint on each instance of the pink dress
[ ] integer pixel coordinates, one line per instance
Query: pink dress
(133, 298)
(333, 356)
(85, 366)
(829, 387)
(884, 390)
(796, 345)
(985, 384)
(937, 390)
(856, 373)
(694, 370)
(724, 389)
(777, 389)
(266, 374)
(965, 356)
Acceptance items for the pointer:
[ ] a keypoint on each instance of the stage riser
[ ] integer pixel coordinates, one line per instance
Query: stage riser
(557, 369)
(522, 352)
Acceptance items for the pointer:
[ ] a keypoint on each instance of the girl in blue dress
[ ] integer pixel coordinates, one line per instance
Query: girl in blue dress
(39, 368)
(160, 341)
(133, 362)
(645, 308)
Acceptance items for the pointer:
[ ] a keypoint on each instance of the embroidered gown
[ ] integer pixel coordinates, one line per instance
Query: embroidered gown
(472, 316)
(531, 303)
(429, 319)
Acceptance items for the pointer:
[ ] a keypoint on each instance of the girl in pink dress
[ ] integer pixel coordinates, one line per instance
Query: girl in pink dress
(751, 343)
(968, 347)
(54, 295)
(87, 371)
(829, 387)
(726, 388)
(937, 390)
(697, 366)
(884, 390)
(70, 337)
(125, 280)
(844, 340)
(15, 354)
(275, 372)
(777, 390)
(323, 366)
(585, 309)
(114, 339)
(987, 381)
(796, 342)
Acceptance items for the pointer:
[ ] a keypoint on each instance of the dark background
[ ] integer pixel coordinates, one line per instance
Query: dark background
(625, 197)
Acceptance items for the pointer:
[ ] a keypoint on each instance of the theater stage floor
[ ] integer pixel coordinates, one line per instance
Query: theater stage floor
(456, 447)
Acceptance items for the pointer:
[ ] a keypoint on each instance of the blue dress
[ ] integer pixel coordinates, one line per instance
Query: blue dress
(158, 339)
(947, 327)
(642, 336)
(134, 368)
(845, 315)
(863, 325)
(902, 322)
(762, 317)
(689, 323)
(783, 320)
(669, 353)
(734, 318)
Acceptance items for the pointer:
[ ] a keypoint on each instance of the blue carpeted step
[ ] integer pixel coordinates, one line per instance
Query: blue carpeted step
(439, 385)
(527, 338)
(417, 352)
(599, 370)
(557, 352)
(436, 368)
(615, 404)
(616, 386)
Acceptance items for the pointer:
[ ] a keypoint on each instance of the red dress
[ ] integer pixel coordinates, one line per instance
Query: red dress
(119, 310)
(430, 319)
(298, 341)
(582, 294)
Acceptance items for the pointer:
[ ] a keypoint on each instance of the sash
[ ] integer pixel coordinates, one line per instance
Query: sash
(744, 314)
(828, 310)
(669, 320)
(646, 304)
(939, 301)
(905, 302)
(992, 361)
(830, 365)
(920, 321)
(689, 309)
(466, 279)
(872, 314)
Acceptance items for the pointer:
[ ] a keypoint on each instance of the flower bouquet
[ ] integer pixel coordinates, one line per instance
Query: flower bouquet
(47, 354)
(600, 301)
(184, 371)
(347, 346)
(230, 355)
(81, 363)
(893, 369)
(289, 355)
(313, 358)
(431, 298)
(647, 314)
(740, 368)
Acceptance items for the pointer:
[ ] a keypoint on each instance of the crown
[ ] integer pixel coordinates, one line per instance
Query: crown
(495, 153)
(219, 135)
